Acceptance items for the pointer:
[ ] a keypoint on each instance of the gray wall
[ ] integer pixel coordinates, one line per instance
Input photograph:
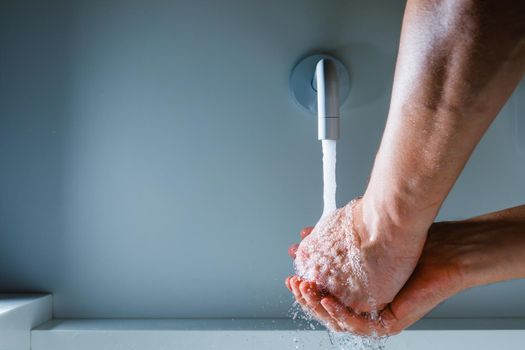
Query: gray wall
(153, 163)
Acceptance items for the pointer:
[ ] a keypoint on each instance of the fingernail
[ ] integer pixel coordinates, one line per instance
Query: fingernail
(326, 303)
(387, 317)
(304, 233)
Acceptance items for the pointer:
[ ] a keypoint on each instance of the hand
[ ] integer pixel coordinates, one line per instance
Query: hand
(456, 256)
(436, 277)
(361, 269)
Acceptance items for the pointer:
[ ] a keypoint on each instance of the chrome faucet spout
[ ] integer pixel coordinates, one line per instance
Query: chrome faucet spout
(320, 84)
(326, 84)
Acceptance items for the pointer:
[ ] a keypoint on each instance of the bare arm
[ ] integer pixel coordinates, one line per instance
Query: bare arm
(458, 63)
(491, 247)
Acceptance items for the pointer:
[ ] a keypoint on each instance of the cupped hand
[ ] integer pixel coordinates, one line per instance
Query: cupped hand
(359, 266)
(437, 276)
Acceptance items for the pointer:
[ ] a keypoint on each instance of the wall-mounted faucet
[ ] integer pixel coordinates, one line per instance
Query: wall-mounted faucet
(320, 84)
(325, 83)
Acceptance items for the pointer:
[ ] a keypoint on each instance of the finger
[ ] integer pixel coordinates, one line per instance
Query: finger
(349, 321)
(389, 322)
(405, 310)
(313, 298)
(287, 283)
(294, 283)
(306, 231)
(292, 250)
(418, 296)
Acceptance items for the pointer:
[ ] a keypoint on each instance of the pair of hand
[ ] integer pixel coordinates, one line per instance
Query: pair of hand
(437, 276)
(362, 264)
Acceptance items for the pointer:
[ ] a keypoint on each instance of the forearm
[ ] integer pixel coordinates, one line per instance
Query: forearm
(492, 247)
(459, 255)
(458, 63)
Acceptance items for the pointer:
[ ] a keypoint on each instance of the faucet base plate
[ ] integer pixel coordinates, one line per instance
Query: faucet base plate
(302, 87)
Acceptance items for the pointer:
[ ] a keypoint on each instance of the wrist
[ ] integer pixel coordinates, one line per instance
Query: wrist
(394, 218)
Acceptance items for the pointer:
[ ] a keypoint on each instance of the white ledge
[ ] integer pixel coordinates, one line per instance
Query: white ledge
(196, 334)
(19, 313)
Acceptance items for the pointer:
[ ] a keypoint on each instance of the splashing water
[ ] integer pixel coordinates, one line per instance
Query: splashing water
(339, 341)
(329, 180)
(349, 341)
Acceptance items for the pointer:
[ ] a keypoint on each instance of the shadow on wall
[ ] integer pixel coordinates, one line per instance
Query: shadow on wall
(370, 77)
(33, 109)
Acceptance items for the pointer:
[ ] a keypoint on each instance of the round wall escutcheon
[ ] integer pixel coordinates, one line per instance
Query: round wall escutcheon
(302, 82)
